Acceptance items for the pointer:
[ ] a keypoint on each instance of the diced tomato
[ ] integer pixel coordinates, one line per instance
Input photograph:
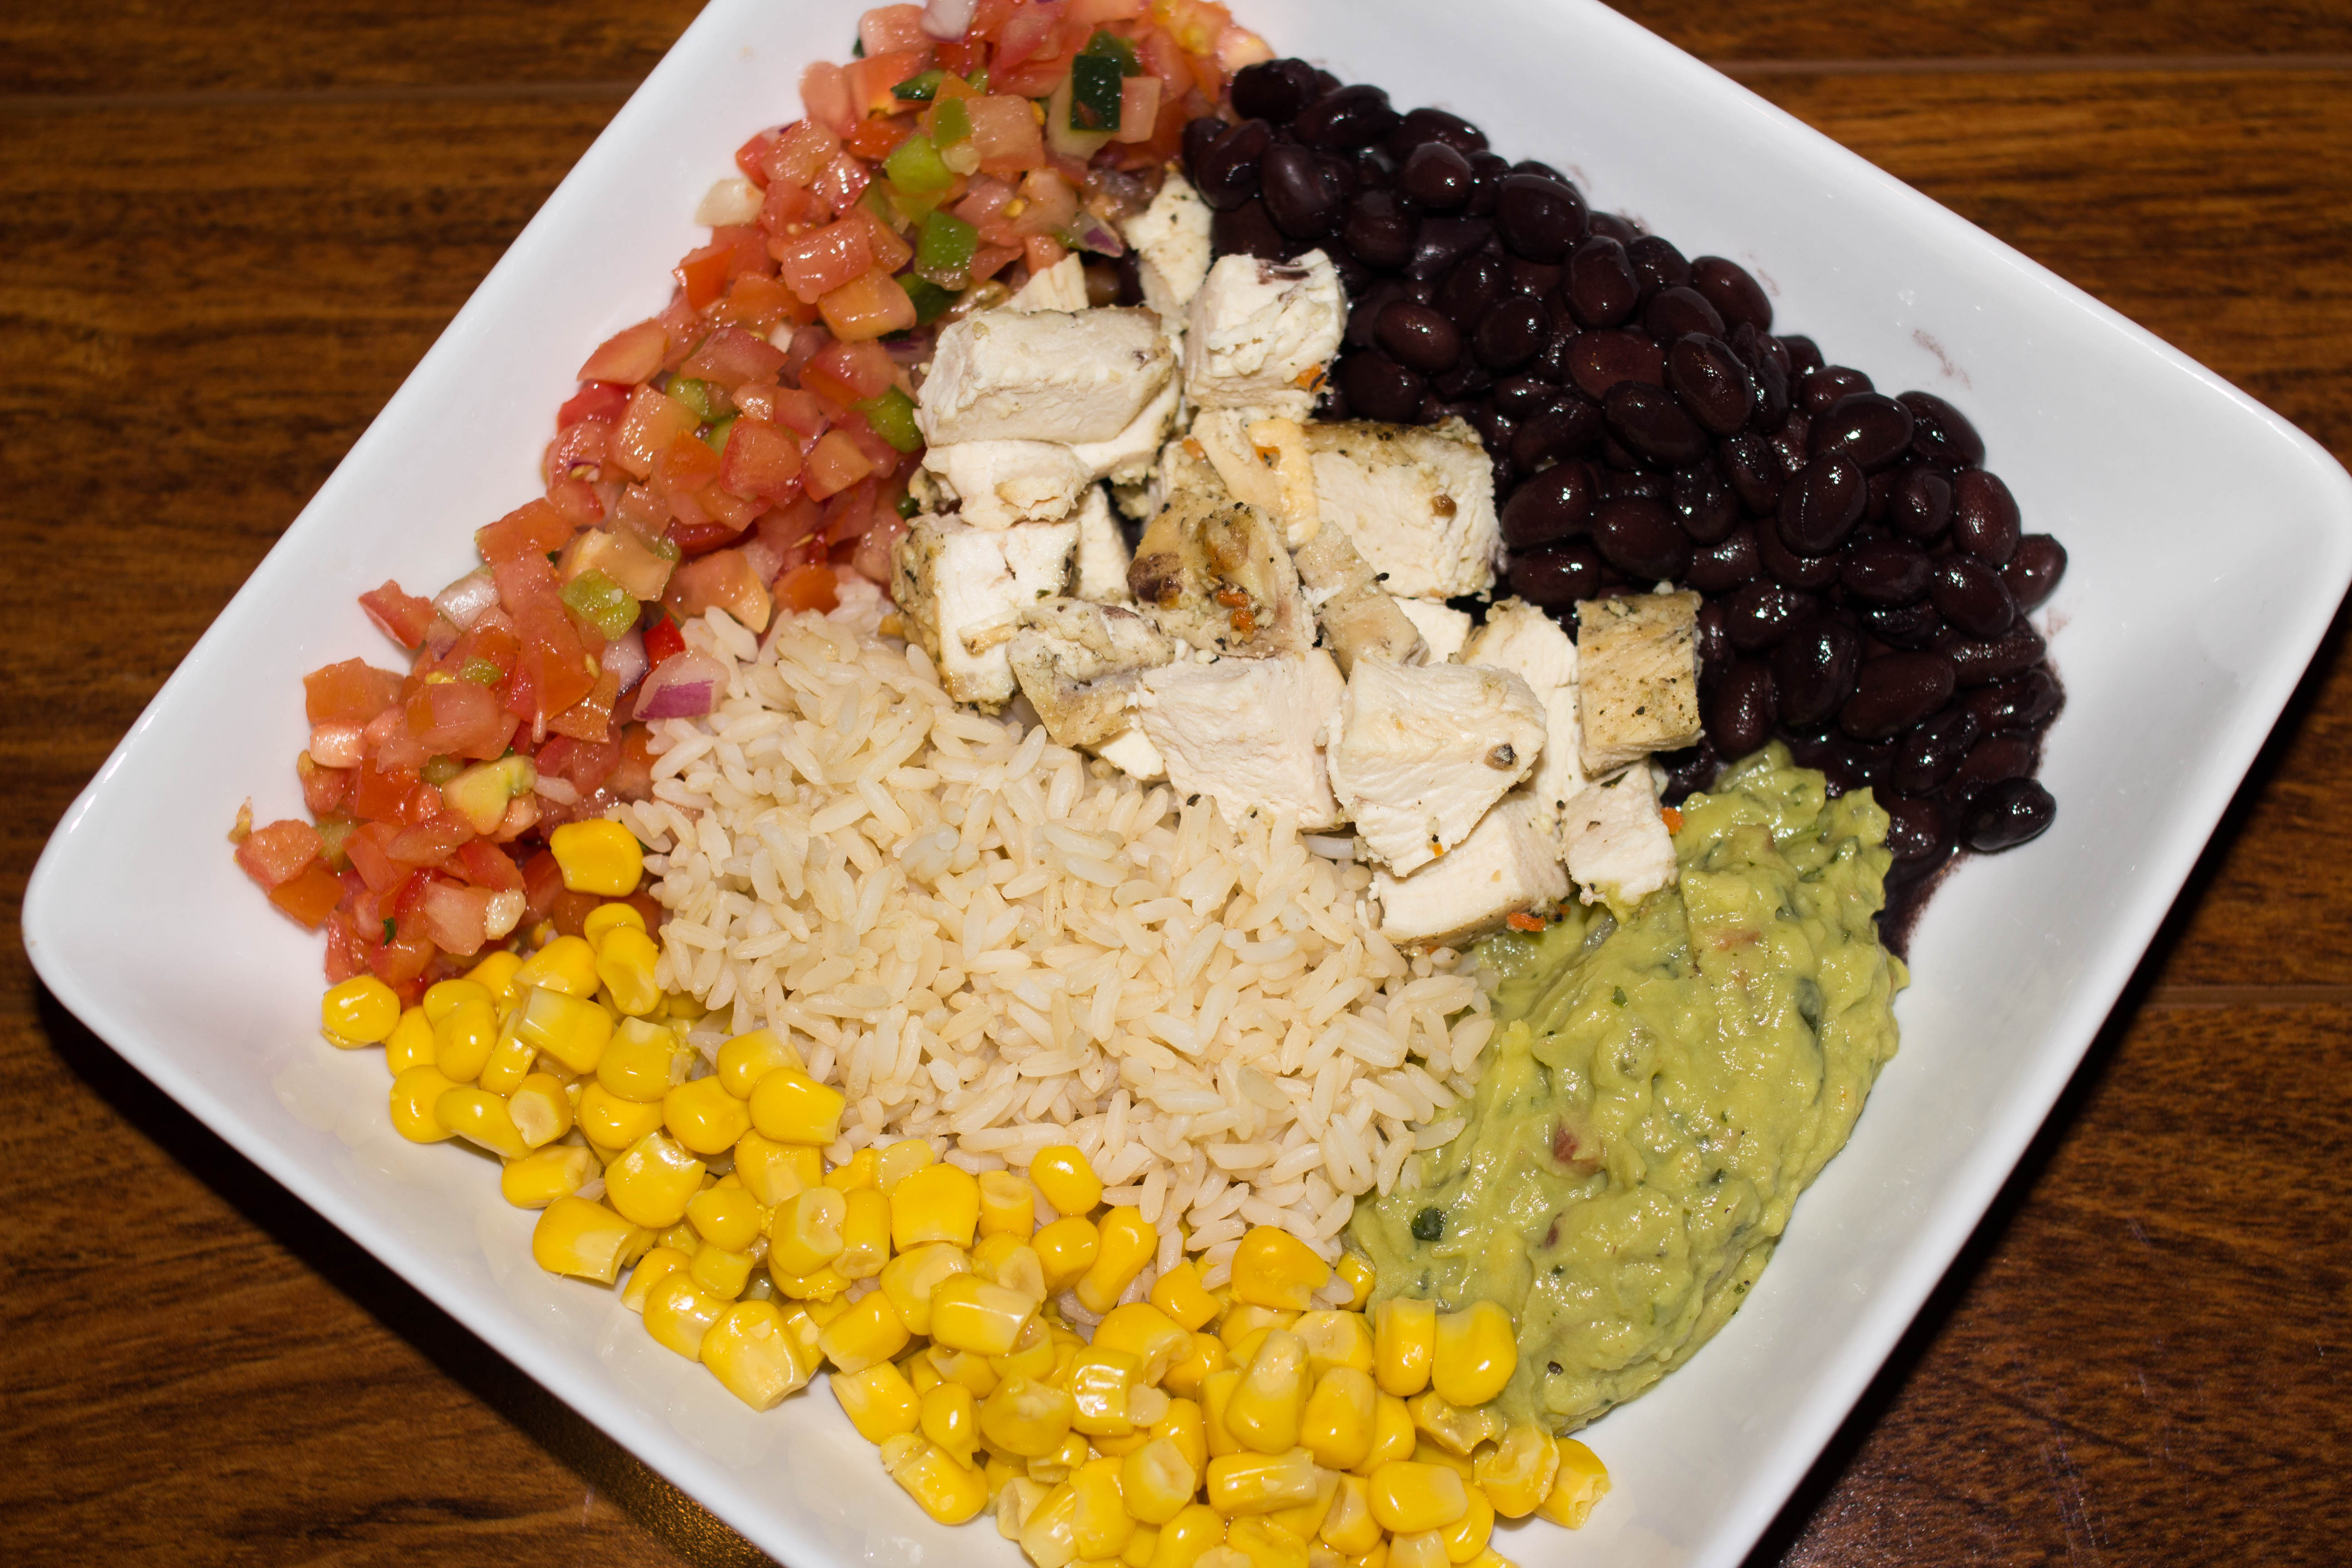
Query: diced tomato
(1005, 134)
(723, 579)
(788, 210)
(801, 149)
(662, 639)
(584, 765)
(653, 421)
(871, 79)
(687, 464)
(459, 718)
(824, 259)
(276, 854)
(694, 538)
(752, 156)
(554, 668)
(801, 413)
(629, 355)
(403, 958)
(825, 94)
(577, 502)
(403, 618)
(310, 896)
(350, 693)
(1052, 204)
(378, 791)
(869, 306)
(732, 356)
(1139, 109)
(430, 842)
(834, 464)
(591, 717)
(346, 959)
(872, 558)
(456, 917)
(1094, 13)
(761, 459)
(703, 275)
(533, 529)
(811, 587)
(989, 17)
(876, 138)
(1031, 31)
(366, 849)
(759, 305)
(864, 369)
(542, 879)
(323, 788)
(633, 777)
(746, 249)
(842, 182)
(991, 260)
(578, 450)
(888, 27)
(890, 252)
(597, 400)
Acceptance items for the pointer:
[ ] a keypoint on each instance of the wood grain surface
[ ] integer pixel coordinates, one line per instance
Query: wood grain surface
(226, 233)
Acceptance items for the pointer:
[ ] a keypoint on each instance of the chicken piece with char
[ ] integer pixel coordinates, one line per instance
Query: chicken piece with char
(1213, 571)
(1418, 503)
(1637, 682)
(1081, 665)
(960, 592)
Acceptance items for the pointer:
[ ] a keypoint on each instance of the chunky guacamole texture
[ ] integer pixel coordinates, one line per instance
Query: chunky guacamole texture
(1659, 1094)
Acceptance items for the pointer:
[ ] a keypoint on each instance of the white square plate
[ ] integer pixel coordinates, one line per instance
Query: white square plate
(2177, 660)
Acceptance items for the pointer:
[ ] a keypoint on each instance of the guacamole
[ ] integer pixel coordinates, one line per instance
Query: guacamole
(1659, 1094)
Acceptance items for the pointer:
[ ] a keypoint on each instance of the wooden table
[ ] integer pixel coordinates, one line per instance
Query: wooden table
(226, 232)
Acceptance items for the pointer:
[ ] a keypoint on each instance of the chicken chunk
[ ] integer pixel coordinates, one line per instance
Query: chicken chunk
(998, 484)
(1170, 239)
(1061, 286)
(960, 591)
(1043, 375)
(1127, 457)
(1263, 460)
(1509, 863)
(1213, 571)
(1442, 626)
(1247, 732)
(1102, 558)
(1619, 851)
(1358, 618)
(1080, 665)
(1521, 638)
(1259, 334)
(1419, 503)
(1423, 750)
(1637, 682)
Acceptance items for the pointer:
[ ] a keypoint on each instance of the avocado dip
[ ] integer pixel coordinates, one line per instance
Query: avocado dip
(1661, 1091)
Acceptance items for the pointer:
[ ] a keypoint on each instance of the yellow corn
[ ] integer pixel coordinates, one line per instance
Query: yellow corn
(948, 1491)
(539, 1178)
(1016, 1503)
(1216, 1390)
(1418, 1549)
(804, 1233)
(921, 1373)
(962, 1366)
(726, 1216)
(611, 1123)
(643, 1061)
(1260, 1483)
(679, 1313)
(1032, 1353)
(879, 1400)
(1425, 1452)
(791, 1107)
(951, 1419)
(1474, 1353)
(1274, 1269)
(443, 997)
(1185, 1540)
(509, 1063)
(463, 1039)
(933, 1203)
(1349, 1527)
(773, 1172)
(597, 857)
(570, 1029)
(624, 962)
(1099, 1380)
(1450, 1427)
(1179, 1293)
(1581, 1481)
(969, 1314)
(1241, 1324)
(865, 1234)
(586, 1240)
(856, 1172)
(495, 974)
(1067, 1248)
(410, 1044)
(415, 1094)
(1026, 1418)
(869, 1331)
(1467, 1536)
(1102, 1525)
(1010, 1262)
(567, 965)
(540, 1110)
(1141, 1547)
(1146, 1332)
(1517, 1474)
(1408, 1498)
(1404, 1338)
(480, 1118)
(1392, 1435)
(1335, 1338)
(1049, 1535)
(1066, 1180)
(901, 1160)
(721, 1272)
(361, 1011)
(1186, 1376)
(1158, 1481)
(606, 918)
(1125, 1242)
(1185, 1427)
(653, 1183)
(1341, 1417)
(1264, 1544)
(1263, 1410)
(1056, 1467)
(750, 1350)
(652, 1269)
(744, 1060)
(1357, 1271)
(1008, 1205)
(911, 1278)
(704, 1117)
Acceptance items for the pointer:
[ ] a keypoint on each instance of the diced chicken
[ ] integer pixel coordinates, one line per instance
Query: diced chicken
(1043, 375)
(1509, 863)
(1170, 239)
(1419, 503)
(1247, 732)
(1423, 750)
(1637, 682)
(1360, 620)
(1521, 638)
(1127, 457)
(1081, 666)
(998, 484)
(1102, 559)
(1263, 460)
(960, 591)
(1213, 571)
(1619, 851)
(1260, 333)
(1442, 627)
(1131, 752)
(1061, 286)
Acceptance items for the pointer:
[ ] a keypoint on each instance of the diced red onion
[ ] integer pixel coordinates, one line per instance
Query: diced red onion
(625, 655)
(1088, 232)
(464, 600)
(949, 18)
(684, 685)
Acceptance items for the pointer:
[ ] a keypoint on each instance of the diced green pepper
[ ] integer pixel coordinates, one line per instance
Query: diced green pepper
(1095, 86)
(915, 167)
(481, 672)
(943, 252)
(706, 401)
(715, 436)
(892, 415)
(438, 771)
(978, 80)
(663, 545)
(603, 603)
(1108, 45)
(930, 300)
(908, 506)
(951, 123)
(920, 89)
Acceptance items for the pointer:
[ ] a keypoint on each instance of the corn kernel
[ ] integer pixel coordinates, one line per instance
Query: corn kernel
(1404, 1339)
(1190, 1536)
(962, 1366)
(1274, 1269)
(750, 1350)
(410, 1044)
(969, 1314)
(463, 1039)
(1248, 1483)
(804, 1233)
(1216, 1392)
(1011, 1261)
(586, 1240)
(1241, 1324)
(1098, 1381)
(624, 962)
(1266, 1544)
(606, 918)
(1408, 1498)
(1517, 1473)
(415, 1094)
(1392, 1435)
(570, 1029)
(726, 1216)
(911, 1278)
(567, 965)
(933, 1203)
(652, 1269)
(1450, 1427)
(597, 857)
(879, 1400)
(1066, 1180)
(540, 1109)
(679, 1313)
(721, 1272)
(1026, 1418)
(1102, 1526)
(1146, 1332)
(1125, 1242)
(1417, 1549)
(1141, 1547)
(443, 997)
(653, 1183)
(948, 1491)
(1016, 1503)
(495, 974)
(773, 1172)
(855, 1171)
(1349, 1527)
(611, 1123)
(951, 1419)
(681, 1236)
(539, 1178)
(1467, 1536)
(1263, 1409)
(1425, 1452)
(1158, 1481)
(1475, 1354)
(901, 1160)
(1032, 1355)
(1340, 1419)
(1179, 1293)
(865, 1234)
(1049, 1535)
(361, 1011)
(869, 1331)
(509, 1063)
(791, 1107)
(704, 1117)
(819, 1286)
(1581, 1481)
(1185, 1427)
(1335, 1338)
(1067, 1248)
(1357, 1271)
(1186, 1376)
(744, 1060)
(643, 1061)
(1008, 1205)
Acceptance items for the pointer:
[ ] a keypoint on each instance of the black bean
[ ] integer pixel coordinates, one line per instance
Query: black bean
(1613, 226)
(1981, 663)
(1598, 361)
(1273, 90)
(1602, 289)
(2027, 702)
(1913, 626)
(1868, 427)
(1650, 422)
(1227, 172)
(1345, 119)
(1941, 433)
(1719, 568)
(2006, 815)
(1298, 192)
(1554, 505)
(1561, 431)
(1895, 691)
(1468, 379)
(1638, 538)
(1736, 295)
(1424, 125)
(1437, 176)
(1771, 379)
(1714, 640)
(1442, 242)
(2033, 572)
(1495, 428)
(1364, 311)
(1740, 709)
(1379, 230)
(1804, 354)
(1996, 759)
(1920, 502)
(1248, 230)
(1916, 828)
(1657, 264)
(1621, 479)
(1537, 279)
(1857, 765)
(1933, 750)
(1489, 170)
(1541, 169)
(1985, 520)
(1418, 337)
(1788, 566)
(1377, 387)
(1813, 670)
(1823, 504)
(1539, 218)
(1511, 334)
(1885, 572)
(1711, 383)
(1522, 396)
(1822, 387)
(1971, 596)
(1758, 614)
(1790, 442)
(1470, 291)
(1672, 314)
(1556, 579)
(1703, 503)
(1200, 135)
(1754, 470)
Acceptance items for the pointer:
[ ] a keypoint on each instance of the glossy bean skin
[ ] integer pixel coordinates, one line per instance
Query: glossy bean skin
(1424, 125)
(1657, 264)
(1703, 503)
(1379, 230)
(1886, 572)
(1470, 290)
(1378, 387)
(1227, 172)
(1200, 135)
(1601, 288)
(1786, 566)
(1512, 332)
(1919, 503)
(1934, 749)
(1638, 537)
(1917, 828)
(1753, 468)
(1980, 663)
(1299, 194)
(1813, 669)
(1822, 505)
(1758, 614)
(2029, 701)
(1767, 366)
(1566, 427)
(1418, 337)
(1996, 759)
(1867, 427)
(1346, 118)
(2032, 572)
(1649, 422)
(1539, 218)
(1895, 691)
(1554, 505)
(1711, 383)
(1678, 313)
(1273, 90)
(1741, 708)
(1732, 291)
(1719, 568)
(1971, 597)
(1712, 638)
(1804, 354)
(1557, 579)
(1598, 361)
(1941, 433)
(1617, 481)
(1985, 519)
(2006, 815)
(1440, 244)
(1823, 386)
(1912, 627)
(1437, 176)
(1246, 230)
